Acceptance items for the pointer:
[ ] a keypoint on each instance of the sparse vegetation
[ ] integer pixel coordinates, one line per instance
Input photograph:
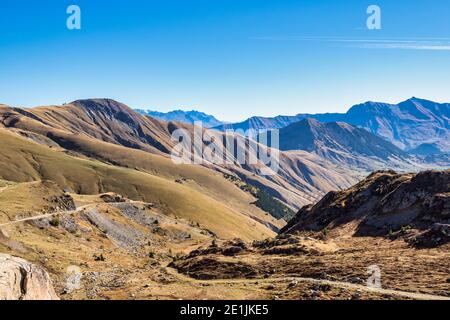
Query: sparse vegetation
(264, 200)
(269, 204)
(138, 244)
(325, 233)
(100, 257)
(55, 221)
(405, 229)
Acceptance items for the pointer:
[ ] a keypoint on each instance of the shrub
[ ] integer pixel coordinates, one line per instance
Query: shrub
(55, 221)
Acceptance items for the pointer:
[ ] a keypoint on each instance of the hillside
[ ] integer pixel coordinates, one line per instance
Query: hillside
(96, 128)
(102, 119)
(396, 225)
(118, 244)
(125, 249)
(196, 200)
(412, 206)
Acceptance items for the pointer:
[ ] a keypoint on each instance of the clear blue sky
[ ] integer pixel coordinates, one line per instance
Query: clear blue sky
(231, 58)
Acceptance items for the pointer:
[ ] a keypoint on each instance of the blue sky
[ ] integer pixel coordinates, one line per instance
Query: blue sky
(229, 58)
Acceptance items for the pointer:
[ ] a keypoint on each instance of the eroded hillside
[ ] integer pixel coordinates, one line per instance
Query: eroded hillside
(395, 224)
(196, 197)
(90, 187)
(106, 130)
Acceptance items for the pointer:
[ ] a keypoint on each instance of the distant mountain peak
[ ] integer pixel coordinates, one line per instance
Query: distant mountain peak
(340, 143)
(183, 116)
(407, 124)
(418, 102)
(305, 124)
(417, 99)
(412, 100)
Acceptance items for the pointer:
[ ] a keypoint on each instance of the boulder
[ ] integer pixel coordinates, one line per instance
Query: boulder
(22, 280)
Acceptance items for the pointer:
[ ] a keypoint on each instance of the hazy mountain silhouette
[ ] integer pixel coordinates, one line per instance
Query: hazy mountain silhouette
(406, 125)
(183, 116)
(342, 143)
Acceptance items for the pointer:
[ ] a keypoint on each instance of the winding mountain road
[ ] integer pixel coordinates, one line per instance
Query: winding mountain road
(339, 284)
(49, 215)
(181, 277)
(43, 216)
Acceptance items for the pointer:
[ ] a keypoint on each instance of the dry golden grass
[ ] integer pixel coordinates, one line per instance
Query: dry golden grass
(27, 161)
(141, 271)
(106, 129)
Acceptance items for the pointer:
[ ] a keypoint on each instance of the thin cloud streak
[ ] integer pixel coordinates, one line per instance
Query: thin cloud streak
(405, 46)
(434, 44)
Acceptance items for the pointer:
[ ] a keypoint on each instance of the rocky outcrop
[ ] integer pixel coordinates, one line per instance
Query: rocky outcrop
(22, 280)
(384, 204)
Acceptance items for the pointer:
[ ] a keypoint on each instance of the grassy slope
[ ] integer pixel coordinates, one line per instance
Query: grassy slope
(21, 161)
(300, 181)
(55, 248)
(22, 200)
(202, 179)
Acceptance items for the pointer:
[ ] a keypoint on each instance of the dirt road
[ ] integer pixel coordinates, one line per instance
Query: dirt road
(339, 284)
(43, 216)
(49, 215)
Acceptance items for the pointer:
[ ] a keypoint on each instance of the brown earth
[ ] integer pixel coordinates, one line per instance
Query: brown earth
(89, 187)
(414, 207)
(346, 260)
(112, 132)
(131, 250)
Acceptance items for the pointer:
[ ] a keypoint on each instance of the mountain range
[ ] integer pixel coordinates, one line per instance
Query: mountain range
(314, 159)
(407, 125)
(92, 184)
(208, 121)
(343, 144)
(111, 132)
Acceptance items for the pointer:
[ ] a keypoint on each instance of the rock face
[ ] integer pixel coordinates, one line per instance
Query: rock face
(385, 204)
(21, 280)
